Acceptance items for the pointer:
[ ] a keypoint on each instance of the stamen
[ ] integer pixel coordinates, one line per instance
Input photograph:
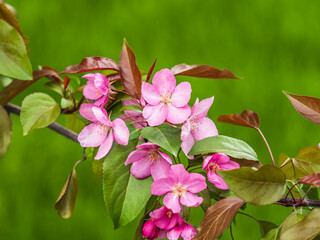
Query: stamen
(153, 155)
(179, 189)
(169, 213)
(213, 167)
(103, 129)
(165, 98)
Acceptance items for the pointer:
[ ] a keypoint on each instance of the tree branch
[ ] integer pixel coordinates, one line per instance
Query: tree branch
(53, 126)
(294, 202)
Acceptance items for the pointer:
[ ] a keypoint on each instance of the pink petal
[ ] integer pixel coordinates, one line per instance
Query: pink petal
(105, 147)
(180, 174)
(163, 222)
(195, 183)
(129, 112)
(220, 158)
(91, 92)
(185, 130)
(166, 157)
(187, 144)
(162, 186)
(136, 156)
(206, 128)
(217, 180)
(171, 201)
(101, 101)
(102, 84)
(178, 115)
(158, 213)
(229, 166)
(86, 112)
(150, 94)
(205, 163)
(92, 136)
(101, 115)
(175, 218)
(174, 233)
(155, 115)
(188, 232)
(181, 95)
(190, 200)
(160, 169)
(162, 234)
(140, 169)
(148, 146)
(89, 76)
(200, 110)
(164, 81)
(121, 131)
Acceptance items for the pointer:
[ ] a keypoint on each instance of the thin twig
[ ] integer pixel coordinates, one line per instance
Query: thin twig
(265, 140)
(53, 126)
(231, 231)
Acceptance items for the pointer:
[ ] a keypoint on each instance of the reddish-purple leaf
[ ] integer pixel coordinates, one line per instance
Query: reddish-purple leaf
(65, 82)
(312, 179)
(218, 218)
(246, 118)
(202, 71)
(308, 107)
(129, 71)
(114, 77)
(92, 64)
(151, 70)
(17, 86)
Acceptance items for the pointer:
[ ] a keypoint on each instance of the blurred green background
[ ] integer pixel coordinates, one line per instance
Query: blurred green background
(273, 45)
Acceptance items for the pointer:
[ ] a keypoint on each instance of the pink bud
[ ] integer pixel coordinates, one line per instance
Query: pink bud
(150, 230)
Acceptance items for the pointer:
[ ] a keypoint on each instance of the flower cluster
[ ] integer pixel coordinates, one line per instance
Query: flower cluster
(161, 102)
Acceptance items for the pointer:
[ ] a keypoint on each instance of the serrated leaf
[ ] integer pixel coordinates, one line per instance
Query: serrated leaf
(201, 71)
(247, 119)
(266, 226)
(261, 187)
(306, 229)
(14, 61)
(129, 71)
(307, 161)
(5, 131)
(308, 107)
(124, 195)
(218, 218)
(165, 136)
(38, 110)
(223, 144)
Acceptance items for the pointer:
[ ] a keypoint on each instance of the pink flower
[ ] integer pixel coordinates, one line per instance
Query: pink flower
(97, 88)
(165, 100)
(102, 131)
(149, 161)
(164, 218)
(215, 163)
(137, 118)
(198, 126)
(179, 187)
(150, 230)
(183, 229)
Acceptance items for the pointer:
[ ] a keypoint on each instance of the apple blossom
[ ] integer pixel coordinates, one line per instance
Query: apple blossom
(164, 100)
(215, 163)
(150, 230)
(148, 160)
(102, 131)
(138, 120)
(164, 218)
(97, 88)
(179, 186)
(197, 126)
(183, 229)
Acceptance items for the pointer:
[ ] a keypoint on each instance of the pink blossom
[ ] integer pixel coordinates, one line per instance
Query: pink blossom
(150, 230)
(149, 161)
(102, 131)
(183, 229)
(136, 117)
(179, 187)
(165, 100)
(198, 126)
(164, 218)
(215, 163)
(97, 88)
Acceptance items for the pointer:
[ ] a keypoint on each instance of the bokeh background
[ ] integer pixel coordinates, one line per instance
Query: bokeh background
(273, 45)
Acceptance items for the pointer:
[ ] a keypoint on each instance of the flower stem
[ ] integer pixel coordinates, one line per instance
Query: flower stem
(265, 140)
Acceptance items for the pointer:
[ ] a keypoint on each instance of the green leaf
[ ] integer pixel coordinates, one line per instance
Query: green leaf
(265, 227)
(38, 110)
(124, 195)
(54, 87)
(306, 229)
(134, 108)
(262, 187)
(65, 103)
(165, 136)
(5, 81)
(223, 144)
(206, 203)
(14, 61)
(292, 219)
(73, 123)
(273, 234)
(308, 160)
(5, 131)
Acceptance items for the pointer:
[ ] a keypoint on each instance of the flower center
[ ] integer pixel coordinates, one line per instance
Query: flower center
(166, 99)
(169, 213)
(179, 189)
(194, 123)
(103, 129)
(97, 92)
(153, 155)
(213, 167)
